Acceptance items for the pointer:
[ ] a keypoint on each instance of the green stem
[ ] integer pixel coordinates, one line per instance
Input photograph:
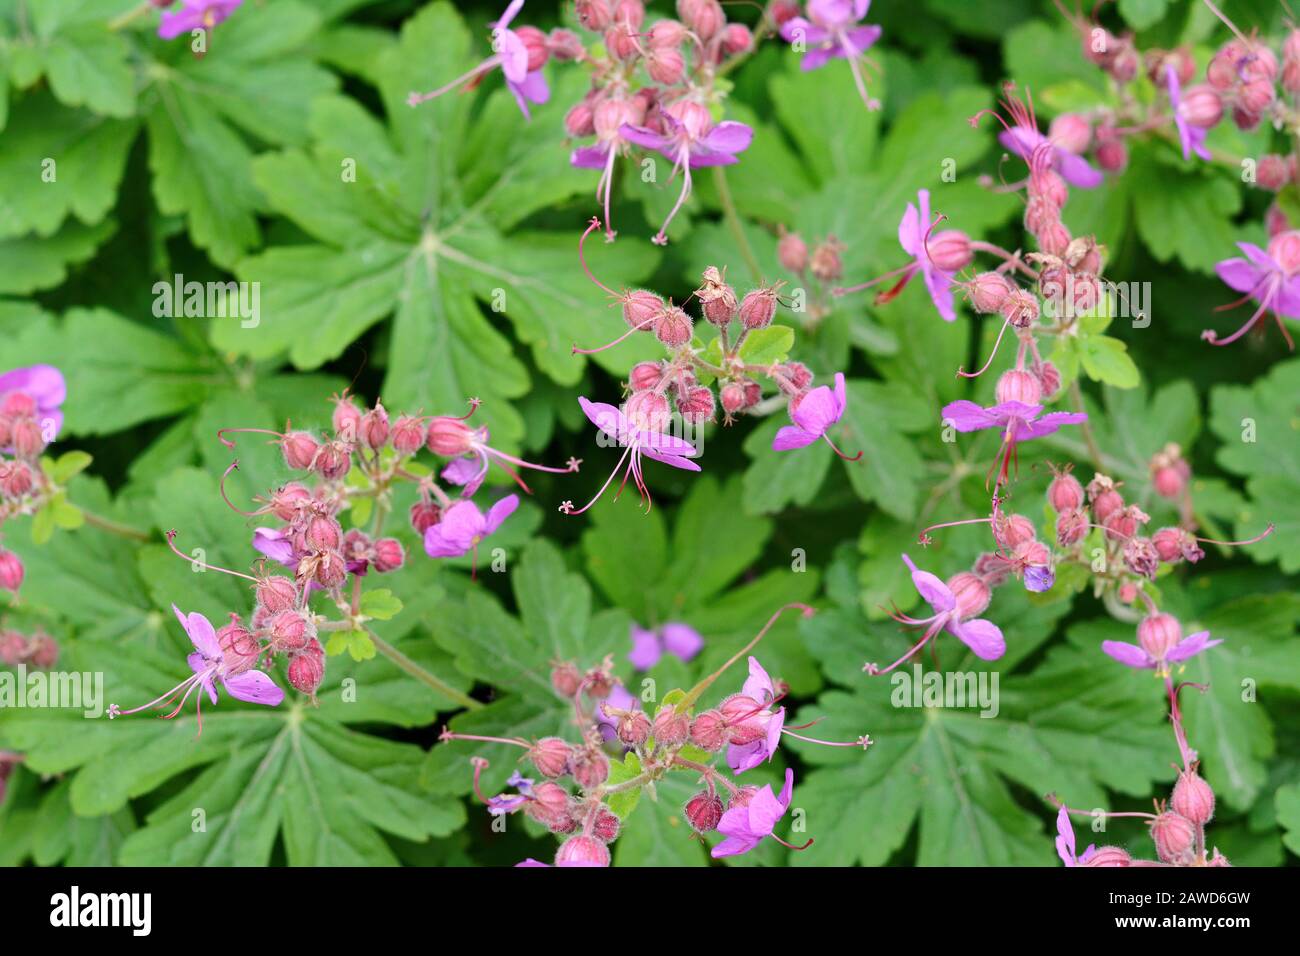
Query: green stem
(1094, 452)
(734, 223)
(420, 674)
(112, 527)
(130, 16)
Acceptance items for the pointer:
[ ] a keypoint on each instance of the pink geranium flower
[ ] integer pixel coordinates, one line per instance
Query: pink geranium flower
(1191, 137)
(38, 390)
(637, 439)
(813, 413)
(1270, 278)
(463, 527)
(1065, 842)
(210, 663)
(745, 826)
(512, 56)
(832, 31)
(675, 638)
(195, 15)
(1017, 420)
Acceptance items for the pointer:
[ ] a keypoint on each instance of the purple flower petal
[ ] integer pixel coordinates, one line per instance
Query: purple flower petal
(937, 594)
(682, 640)
(254, 687)
(1190, 646)
(1130, 655)
(646, 649)
(981, 636)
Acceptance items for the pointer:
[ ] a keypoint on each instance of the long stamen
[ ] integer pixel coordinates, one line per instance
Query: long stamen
(115, 711)
(582, 258)
(684, 161)
(996, 346)
(222, 432)
(415, 99)
(925, 539)
(835, 448)
(448, 735)
(569, 509)
(847, 290)
(640, 327)
(607, 177)
(864, 741)
(873, 671)
(791, 846)
(171, 543)
(1232, 544)
(234, 466)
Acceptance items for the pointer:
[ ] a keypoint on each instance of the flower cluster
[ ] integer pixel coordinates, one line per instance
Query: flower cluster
(575, 796)
(30, 418)
(1178, 826)
(830, 30)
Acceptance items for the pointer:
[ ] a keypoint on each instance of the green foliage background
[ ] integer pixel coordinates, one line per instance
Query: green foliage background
(229, 165)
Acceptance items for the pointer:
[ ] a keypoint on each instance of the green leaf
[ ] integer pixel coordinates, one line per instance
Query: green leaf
(768, 346)
(621, 804)
(1106, 359)
(381, 604)
(68, 465)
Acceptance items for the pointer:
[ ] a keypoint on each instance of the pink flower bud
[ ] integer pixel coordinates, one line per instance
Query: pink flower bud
(631, 12)
(389, 555)
(1020, 308)
(666, 65)
(17, 404)
(1158, 633)
(950, 250)
(1112, 155)
(1071, 132)
(673, 327)
(1065, 493)
(564, 44)
(1222, 70)
(758, 308)
(1049, 378)
(717, 299)
(330, 570)
(633, 728)
(590, 768)
(424, 515)
(704, 18)
(621, 42)
(697, 406)
(290, 631)
(667, 33)
(322, 533)
(550, 756)
(987, 291)
(566, 679)
(1193, 798)
(1012, 530)
(1103, 497)
(13, 648)
(333, 460)
(580, 120)
(1071, 527)
(536, 45)
(737, 38)
(1123, 524)
(641, 308)
(605, 826)
(15, 479)
(1109, 856)
(346, 420)
(276, 593)
(26, 437)
(709, 731)
(745, 717)
(1255, 97)
(374, 428)
(826, 264)
(792, 252)
(1258, 64)
(1273, 172)
(408, 435)
(1169, 482)
(1175, 838)
(800, 375)
(647, 410)
(240, 650)
(972, 593)
(1124, 65)
(644, 375)
(11, 571)
(1291, 75)
(1284, 249)
(595, 15)
(703, 811)
(449, 437)
(551, 806)
(1017, 385)
(288, 500)
(732, 397)
(670, 728)
(582, 851)
(307, 668)
(1054, 238)
(42, 651)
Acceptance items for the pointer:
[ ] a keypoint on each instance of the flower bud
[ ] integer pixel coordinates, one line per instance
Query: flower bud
(1047, 186)
(792, 252)
(550, 756)
(737, 39)
(1291, 75)
(42, 651)
(1112, 155)
(1103, 497)
(595, 15)
(987, 291)
(648, 411)
(590, 768)
(972, 593)
(322, 533)
(15, 479)
(288, 500)
(1158, 633)
(1049, 378)
(564, 44)
(307, 668)
(666, 65)
(605, 826)
(330, 569)
(709, 731)
(1012, 530)
(1020, 308)
(1175, 838)
(551, 807)
(1258, 64)
(703, 811)
(582, 851)
(1017, 385)
(26, 437)
(670, 728)
(667, 33)
(1255, 97)
(633, 728)
(299, 450)
(566, 679)
(346, 420)
(641, 308)
(717, 299)
(1124, 523)
(240, 649)
(673, 327)
(290, 631)
(1284, 249)
(1071, 527)
(826, 264)
(1124, 65)
(697, 406)
(1141, 557)
(732, 397)
(536, 45)
(950, 250)
(746, 719)
(621, 42)
(389, 555)
(13, 648)
(1054, 238)
(758, 308)
(11, 571)
(333, 460)
(1065, 493)
(704, 18)
(1193, 798)
(1201, 106)
(408, 435)
(374, 428)
(1272, 172)
(1071, 132)
(1109, 856)
(424, 515)
(276, 593)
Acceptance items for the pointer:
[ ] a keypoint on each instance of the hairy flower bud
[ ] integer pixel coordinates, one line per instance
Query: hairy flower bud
(1071, 132)
(1012, 530)
(551, 806)
(703, 811)
(1201, 106)
(703, 17)
(595, 15)
(299, 450)
(389, 555)
(1284, 249)
(1017, 385)
(536, 44)
(736, 39)
(792, 252)
(550, 756)
(590, 768)
(424, 515)
(1193, 798)
(709, 731)
(633, 728)
(1020, 308)
(1103, 497)
(758, 308)
(732, 397)
(346, 419)
(582, 851)
(826, 264)
(1141, 557)
(290, 631)
(15, 479)
(1158, 633)
(746, 719)
(333, 460)
(566, 679)
(1071, 527)
(673, 327)
(408, 435)
(670, 728)
(717, 298)
(276, 593)
(1175, 838)
(641, 308)
(950, 250)
(697, 405)
(1109, 856)
(972, 593)
(307, 668)
(648, 411)
(564, 44)
(11, 571)
(1065, 493)
(987, 291)
(1272, 172)
(1112, 155)
(1124, 523)
(666, 65)
(375, 428)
